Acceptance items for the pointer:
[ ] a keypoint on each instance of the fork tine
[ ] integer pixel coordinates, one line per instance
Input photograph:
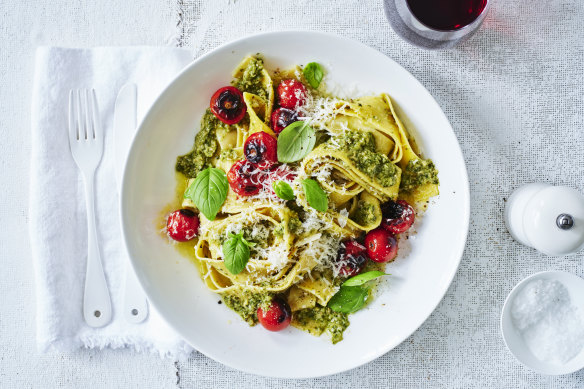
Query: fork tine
(88, 127)
(73, 132)
(97, 128)
(82, 133)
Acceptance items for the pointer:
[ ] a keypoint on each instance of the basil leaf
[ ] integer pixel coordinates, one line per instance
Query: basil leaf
(283, 190)
(315, 196)
(295, 142)
(235, 253)
(313, 74)
(349, 299)
(209, 191)
(362, 278)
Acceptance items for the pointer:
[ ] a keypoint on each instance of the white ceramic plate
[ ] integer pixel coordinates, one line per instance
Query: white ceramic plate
(418, 281)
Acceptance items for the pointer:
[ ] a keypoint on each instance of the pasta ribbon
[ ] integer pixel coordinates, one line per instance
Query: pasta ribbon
(338, 174)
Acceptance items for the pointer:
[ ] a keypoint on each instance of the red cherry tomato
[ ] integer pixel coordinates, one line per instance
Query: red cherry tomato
(397, 216)
(277, 317)
(227, 105)
(381, 245)
(261, 149)
(352, 258)
(182, 225)
(291, 94)
(244, 178)
(282, 118)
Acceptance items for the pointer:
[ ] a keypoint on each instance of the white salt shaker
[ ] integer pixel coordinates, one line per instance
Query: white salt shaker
(547, 218)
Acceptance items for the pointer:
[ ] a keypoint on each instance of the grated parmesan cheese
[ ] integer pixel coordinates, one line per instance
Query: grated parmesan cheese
(344, 217)
(319, 110)
(324, 251)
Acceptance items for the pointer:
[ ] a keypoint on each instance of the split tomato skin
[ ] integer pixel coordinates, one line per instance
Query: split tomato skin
(227, 105)
(397, 216)
(352, 258)
(261, 149)
(244, 178)
(282, 118)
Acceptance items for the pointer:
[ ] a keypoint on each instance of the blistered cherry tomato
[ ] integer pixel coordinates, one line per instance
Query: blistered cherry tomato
(352, 258)
(281, 173)
(244, 178)
(282, 118)
(291, 94)
(261, 149)
(227, 105)
(381, 245)
(182, 225)
(397, 216)
(277, 317)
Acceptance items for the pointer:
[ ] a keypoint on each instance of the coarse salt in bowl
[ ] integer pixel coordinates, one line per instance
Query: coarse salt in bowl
(542, 322)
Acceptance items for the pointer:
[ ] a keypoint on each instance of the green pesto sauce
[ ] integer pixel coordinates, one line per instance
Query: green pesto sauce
(294, 224)
(247, 304)
(229, 155)
(279, 230)
(418, 172)
(251, 78)
(364, 213)
(205, 146)
(323, 319)
(360, 147)
(259, 234)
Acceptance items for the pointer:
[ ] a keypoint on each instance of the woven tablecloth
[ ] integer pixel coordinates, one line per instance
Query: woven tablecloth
(513, 94)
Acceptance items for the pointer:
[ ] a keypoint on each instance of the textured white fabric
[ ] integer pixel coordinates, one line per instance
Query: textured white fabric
(58, 213)
(513, 94)
(24, 25)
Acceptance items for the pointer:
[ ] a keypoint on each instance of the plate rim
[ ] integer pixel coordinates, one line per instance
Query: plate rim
(379, 351)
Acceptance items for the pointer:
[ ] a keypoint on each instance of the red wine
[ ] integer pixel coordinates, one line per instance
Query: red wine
(446, 14)
(435, 24)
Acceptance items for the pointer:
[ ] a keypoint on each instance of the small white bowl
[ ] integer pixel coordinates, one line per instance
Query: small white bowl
(514, 341)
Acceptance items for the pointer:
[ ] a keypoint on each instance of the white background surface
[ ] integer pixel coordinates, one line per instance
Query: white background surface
(24, 26)
(513, 94)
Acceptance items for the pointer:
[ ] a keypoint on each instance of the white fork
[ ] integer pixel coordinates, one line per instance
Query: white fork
(86, 142)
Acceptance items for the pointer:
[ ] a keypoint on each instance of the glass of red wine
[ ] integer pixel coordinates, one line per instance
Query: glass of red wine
(435, 24)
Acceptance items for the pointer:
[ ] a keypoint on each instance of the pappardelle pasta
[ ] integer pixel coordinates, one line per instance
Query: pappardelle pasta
(295, 198)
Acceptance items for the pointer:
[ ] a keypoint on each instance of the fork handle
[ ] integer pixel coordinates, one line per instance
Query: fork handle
(97, 308)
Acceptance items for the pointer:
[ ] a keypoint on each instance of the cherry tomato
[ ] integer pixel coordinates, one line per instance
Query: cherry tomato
(352, 258)
(261, 149)
(291, 94)
(227, 105)
(397, 216)
(282, 118)
(244, 178)
(282, 173)
(277, 317)
(182, 225)
(381, 245)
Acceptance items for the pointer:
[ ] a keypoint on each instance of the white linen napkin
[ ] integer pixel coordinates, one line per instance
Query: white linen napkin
(57, 199)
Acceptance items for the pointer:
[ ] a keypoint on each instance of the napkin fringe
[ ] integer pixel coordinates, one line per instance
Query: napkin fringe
(175, 351)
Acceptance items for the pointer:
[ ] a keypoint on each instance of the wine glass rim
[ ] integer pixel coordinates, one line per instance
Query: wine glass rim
(466, 26)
